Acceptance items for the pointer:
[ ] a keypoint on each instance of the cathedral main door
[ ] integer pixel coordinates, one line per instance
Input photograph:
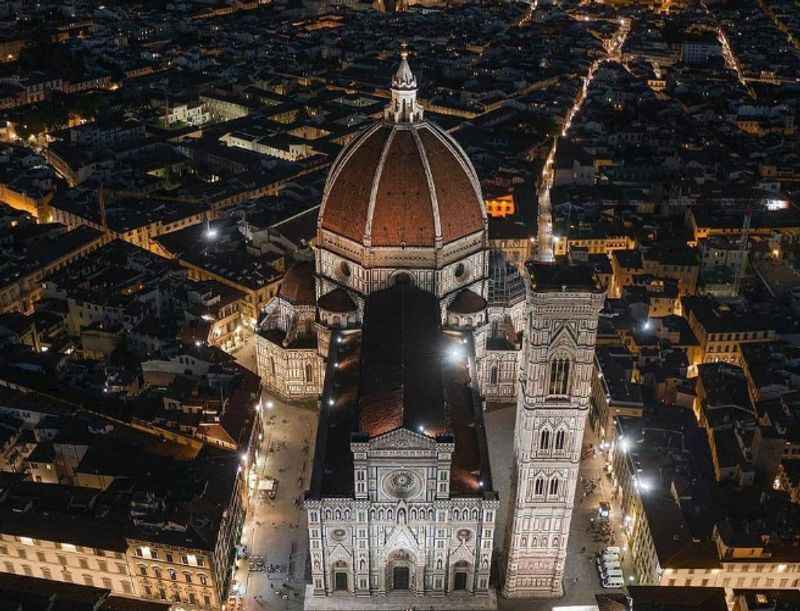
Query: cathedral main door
(400, 577)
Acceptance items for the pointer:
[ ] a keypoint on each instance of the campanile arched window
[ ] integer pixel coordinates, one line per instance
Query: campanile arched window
(544, 440)
(559, 376)
(561, 436)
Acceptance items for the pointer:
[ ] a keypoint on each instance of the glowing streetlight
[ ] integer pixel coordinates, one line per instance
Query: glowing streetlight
(456, 353)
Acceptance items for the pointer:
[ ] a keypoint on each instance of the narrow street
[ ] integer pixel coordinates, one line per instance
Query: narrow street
(545, 236)
(275, 529)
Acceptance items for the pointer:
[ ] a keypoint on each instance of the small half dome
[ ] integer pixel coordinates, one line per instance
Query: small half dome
(298, 286)
(337, 301)
(467, 302)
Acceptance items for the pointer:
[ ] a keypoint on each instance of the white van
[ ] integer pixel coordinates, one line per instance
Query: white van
(613, 582)
(612, 573)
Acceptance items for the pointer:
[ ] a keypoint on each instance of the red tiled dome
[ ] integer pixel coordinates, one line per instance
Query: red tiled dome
(403, 184)
(298, 285)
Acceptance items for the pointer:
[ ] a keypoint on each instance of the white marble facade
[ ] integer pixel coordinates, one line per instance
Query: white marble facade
(402, 532)
(551, 417)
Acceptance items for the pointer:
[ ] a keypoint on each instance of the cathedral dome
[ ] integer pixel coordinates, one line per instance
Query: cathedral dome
(403, 182)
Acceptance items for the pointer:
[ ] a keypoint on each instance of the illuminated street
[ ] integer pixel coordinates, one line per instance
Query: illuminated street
(276, 529)
(546, 238)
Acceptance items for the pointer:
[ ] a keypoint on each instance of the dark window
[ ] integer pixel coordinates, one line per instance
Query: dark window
(544, 440)
(340, 581)
(560, 438)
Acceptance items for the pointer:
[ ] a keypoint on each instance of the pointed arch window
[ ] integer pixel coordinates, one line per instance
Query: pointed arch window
(493, 375)
(559, 376)
(538, 486)
(544, 440)
(309, 373)
(561, 438)
(554, 485)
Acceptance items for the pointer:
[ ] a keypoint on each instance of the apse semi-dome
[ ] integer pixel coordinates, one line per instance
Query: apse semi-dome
(404, 182)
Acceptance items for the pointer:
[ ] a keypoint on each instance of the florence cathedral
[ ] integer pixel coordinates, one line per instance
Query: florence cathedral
(405, 325)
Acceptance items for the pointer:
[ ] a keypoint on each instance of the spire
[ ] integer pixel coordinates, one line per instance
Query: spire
(404, 107)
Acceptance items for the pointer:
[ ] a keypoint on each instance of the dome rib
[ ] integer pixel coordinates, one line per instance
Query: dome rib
(376, 181)
(423, 155)
(403, 213)
(402, 185)
(350, 188)
(454, 186)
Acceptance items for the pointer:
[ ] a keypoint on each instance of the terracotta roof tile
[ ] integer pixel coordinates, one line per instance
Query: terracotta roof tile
(345, 210)
(467, 302)
(403, 209)
(459, 207)
(336, 301)
(298, 285)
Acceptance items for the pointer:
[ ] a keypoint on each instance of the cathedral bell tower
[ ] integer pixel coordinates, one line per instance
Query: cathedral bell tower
(552, 405)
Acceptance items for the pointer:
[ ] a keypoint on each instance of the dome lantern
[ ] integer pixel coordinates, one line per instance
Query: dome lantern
(403, 108)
